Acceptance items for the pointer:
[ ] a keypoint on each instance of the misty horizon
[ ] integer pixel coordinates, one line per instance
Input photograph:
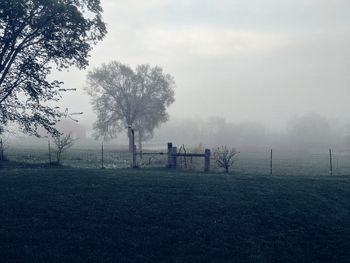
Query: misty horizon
(233, 59)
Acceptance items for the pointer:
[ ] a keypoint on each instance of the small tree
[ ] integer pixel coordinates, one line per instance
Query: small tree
(62, 143)
(224, 157)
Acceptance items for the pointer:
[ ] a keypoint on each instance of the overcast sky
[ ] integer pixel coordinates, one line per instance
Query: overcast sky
(244, 60)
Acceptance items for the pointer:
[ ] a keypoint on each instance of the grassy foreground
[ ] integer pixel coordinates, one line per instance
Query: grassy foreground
(73, 215)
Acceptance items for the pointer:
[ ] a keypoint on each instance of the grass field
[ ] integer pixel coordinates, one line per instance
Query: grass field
(257, 163)
(87, 215)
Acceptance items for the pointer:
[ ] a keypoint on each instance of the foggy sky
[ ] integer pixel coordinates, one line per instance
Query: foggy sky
(244, 60)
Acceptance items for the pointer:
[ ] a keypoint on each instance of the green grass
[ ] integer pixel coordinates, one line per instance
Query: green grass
(87, 215)
(257, 163)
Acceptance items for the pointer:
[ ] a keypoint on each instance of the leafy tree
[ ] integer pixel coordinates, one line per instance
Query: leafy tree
(34, 36)
(224, 157)
(124, 97)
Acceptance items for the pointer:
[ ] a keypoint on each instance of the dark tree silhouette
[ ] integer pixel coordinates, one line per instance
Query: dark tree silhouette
(34, 36)
(123, 97)
(62, 143)
(224, 157)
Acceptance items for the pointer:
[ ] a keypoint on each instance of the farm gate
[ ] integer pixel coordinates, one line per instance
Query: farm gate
(171, 157)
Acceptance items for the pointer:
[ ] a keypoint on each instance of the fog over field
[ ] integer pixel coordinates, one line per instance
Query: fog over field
(246, 72)
(245, 61)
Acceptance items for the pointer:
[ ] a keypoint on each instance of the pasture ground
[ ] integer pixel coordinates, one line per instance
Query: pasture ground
(257, 163)
(91, 215)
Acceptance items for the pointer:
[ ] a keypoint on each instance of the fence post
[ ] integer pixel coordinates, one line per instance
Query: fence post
(134, 157)
(271, 162)
(102, 164)
(173, 155)
(49, 145)
(170, 149)
(207, 160)
(330, 163)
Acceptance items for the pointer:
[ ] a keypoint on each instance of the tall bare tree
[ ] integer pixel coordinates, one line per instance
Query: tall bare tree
(124, 97)
(34, 36)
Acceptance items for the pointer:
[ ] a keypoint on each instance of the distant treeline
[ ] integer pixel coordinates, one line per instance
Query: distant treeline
(311, 133)
(308, 133)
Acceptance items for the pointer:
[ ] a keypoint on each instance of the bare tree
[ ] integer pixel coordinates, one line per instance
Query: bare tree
(62, 143)
(123, 97)
(224, 157)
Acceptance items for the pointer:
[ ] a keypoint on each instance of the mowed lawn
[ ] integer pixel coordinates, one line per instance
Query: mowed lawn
(72, 215)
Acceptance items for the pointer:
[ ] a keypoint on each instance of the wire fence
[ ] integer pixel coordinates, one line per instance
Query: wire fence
(79, 158)
(293, 163)
(246, 162)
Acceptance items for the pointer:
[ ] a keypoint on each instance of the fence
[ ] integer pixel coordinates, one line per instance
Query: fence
(282, 163)
(75, 157)
(246, 162)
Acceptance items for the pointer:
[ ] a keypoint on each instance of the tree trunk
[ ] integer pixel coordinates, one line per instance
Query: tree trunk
(140, 143)
(131, 139)
(58, 154)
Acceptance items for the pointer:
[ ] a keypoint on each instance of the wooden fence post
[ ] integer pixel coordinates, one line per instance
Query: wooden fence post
(102, 160)
(134, 157)
(330, 163)
(173, 155)
(207, 160)
(271, 162)
(170, 151)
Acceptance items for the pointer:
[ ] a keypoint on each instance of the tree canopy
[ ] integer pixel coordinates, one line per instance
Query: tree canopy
(36, 35)
(124, 97)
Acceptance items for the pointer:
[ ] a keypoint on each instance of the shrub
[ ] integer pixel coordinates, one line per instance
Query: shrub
(224, 157)
(62, 144)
